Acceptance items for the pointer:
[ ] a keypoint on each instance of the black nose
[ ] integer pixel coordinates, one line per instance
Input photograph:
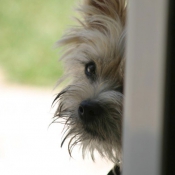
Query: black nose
(89, 110)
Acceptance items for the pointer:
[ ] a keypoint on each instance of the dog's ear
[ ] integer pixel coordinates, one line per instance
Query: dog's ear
(115, 9)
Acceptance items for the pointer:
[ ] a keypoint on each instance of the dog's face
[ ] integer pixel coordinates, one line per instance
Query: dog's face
(92, 103)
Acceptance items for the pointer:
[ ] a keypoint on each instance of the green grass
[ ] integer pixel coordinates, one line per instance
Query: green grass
(28, 32)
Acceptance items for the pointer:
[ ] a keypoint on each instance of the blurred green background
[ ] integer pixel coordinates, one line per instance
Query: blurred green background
(28, 31)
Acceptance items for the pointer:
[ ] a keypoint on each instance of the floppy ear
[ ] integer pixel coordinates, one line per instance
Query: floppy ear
(115, 9)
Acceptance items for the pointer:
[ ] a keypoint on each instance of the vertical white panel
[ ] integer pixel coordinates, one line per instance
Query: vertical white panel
(144, 87)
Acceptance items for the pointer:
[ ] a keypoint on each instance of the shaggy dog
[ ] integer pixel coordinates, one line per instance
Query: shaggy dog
(92, 103)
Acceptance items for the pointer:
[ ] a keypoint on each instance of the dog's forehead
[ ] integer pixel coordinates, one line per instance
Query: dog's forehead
(100, 50)
(101, 47)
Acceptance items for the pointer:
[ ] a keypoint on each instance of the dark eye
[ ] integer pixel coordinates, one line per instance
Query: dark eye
(119, 89)
(90, 69)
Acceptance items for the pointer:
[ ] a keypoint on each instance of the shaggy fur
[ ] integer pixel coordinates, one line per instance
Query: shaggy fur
(97, 45)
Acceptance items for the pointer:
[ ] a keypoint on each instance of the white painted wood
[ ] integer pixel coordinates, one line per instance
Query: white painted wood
(145, 76)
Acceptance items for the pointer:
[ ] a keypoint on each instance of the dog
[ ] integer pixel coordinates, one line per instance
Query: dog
(91, 104)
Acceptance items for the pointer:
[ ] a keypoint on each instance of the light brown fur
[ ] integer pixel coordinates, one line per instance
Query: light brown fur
(100, 39)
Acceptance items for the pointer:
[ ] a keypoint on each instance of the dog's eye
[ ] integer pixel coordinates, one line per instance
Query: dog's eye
(90, 69)
(119, 89)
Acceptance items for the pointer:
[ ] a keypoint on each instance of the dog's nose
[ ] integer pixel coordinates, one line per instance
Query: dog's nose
(89, 110)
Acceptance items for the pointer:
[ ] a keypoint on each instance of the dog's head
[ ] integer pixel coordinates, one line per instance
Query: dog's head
(92, 103)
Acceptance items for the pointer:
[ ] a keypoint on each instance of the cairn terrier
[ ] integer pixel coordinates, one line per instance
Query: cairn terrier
(92, 103)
